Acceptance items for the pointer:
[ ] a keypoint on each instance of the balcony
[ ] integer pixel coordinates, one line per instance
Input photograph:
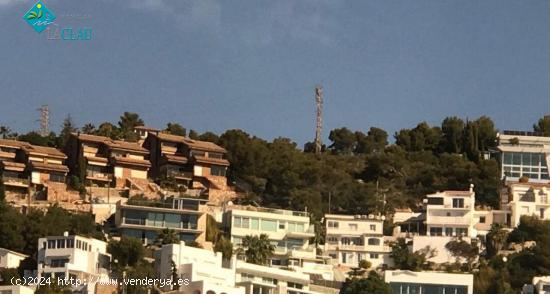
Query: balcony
(158, 224)
(309, 233)
(179, 174)
(449, 206)
(448, 220)
(356, 247)
(99, 176)
(16, 182)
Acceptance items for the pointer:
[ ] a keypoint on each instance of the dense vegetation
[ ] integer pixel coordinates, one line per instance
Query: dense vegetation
(357, 173)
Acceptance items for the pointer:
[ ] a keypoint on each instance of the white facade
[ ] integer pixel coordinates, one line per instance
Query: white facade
(451, 213)
(259, 279)
(73, 256)
(528, 199)
(524, 154)
(405, 282)
(16, 289)
(350, 239)
(289, 231)
(10, 259)
(442, 255)
(542, 284)
(202, 268)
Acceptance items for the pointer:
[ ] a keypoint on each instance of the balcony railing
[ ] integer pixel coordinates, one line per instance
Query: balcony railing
(160, 204)
(158, 224)
(99, 175)
(7, 179)
(448, 220)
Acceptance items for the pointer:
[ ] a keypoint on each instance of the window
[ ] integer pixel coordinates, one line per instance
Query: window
(458, 202)
(78, 244)
(57, 177)
(291, 227)
(61, 243)
(217, 170)
(448, 231)
(373, 256)
(531, 165)
(332, 240)
(352, 227)
(242, 222)
(294, 285)
(58, 262)
(333, 225)
(373, 227)
(346, 241)
(247, 277)
(70, 243)
(51, 244)
(481, 219)
(436, 231)
(461, 231)
(281, 226)
(254, 224)
(374, 241)
(269, 225)
(435, 200)
(269, 281)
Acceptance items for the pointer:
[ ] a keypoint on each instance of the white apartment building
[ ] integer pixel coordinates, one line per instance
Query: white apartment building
(203, 269)
(259, 279)
(524, 154)
(75, 257)
(289, 231)
(407, 282)
(10, 259)
(352, 238)
(451, 213)
(528, 199)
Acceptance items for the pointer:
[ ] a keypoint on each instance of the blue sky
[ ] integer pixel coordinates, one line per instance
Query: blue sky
(215, 65)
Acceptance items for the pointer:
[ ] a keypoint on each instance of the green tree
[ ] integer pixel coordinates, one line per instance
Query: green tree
(88, 128)
(109, 130)
(167, 236)
(404, 259)
(67, 128)
(462, 249)
(6, 132)
(373, 284)
(343, 141)
(453, 129)
(375, 141)
(128, 121)
(495, 239)
(128, 251)
(224, 246)
(209, 137)
(257, 250)
(487, 133)
(175, 129)
(543, 125)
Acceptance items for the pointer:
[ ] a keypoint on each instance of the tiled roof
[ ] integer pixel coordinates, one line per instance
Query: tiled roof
(175, 158)
(131, 161)
(128, 146)
(13, 143)
(44, 151)
(218, 161)
(48, 166)
(193, 144)
(91, 138)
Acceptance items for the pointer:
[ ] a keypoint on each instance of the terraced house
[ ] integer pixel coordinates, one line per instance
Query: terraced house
(196, 167)
(34, 170)
(106, 162)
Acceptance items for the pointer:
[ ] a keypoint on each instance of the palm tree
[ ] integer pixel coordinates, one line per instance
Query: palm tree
(88, 128)
(258, 250)
(5, 131)
(224, 246)
(167, 236)
(495, 239)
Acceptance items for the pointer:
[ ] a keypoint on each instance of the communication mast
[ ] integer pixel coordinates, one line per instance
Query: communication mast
(44, 120)
(319, 127)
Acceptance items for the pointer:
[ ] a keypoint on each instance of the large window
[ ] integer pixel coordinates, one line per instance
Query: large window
(241, 222)
(217, 170)
(458, 202)
(269, 225)
(57, 177)
(531, 165)
(374, 241)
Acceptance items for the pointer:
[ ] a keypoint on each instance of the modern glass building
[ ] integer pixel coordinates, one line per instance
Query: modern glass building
(524, 154)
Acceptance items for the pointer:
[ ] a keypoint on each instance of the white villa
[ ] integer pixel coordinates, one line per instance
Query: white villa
(73, 256)
(352, 238)
(406, 282)
(10, 259)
